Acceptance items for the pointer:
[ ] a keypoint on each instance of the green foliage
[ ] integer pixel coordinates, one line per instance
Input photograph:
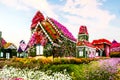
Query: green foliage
(47, 50)
(14, 52)
(32, 51)
(115, 54)
(66, 49)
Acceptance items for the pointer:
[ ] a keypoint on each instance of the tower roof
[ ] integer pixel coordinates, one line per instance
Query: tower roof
(83, 30)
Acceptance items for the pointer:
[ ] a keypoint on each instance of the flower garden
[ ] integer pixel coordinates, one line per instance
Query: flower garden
(60, 69)
(71, 60)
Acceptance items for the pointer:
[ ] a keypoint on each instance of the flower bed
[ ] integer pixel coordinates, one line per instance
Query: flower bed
(10, 73)
(107, 69)
(40, 62)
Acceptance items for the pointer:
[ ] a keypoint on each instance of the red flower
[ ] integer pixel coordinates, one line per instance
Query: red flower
(37, 18)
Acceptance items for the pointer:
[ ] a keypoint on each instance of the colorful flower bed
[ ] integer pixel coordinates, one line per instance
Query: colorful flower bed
(61, 69)
(39, 63)
(104, 70)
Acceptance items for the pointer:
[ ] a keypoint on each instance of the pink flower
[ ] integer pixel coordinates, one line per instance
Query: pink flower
(63, 29)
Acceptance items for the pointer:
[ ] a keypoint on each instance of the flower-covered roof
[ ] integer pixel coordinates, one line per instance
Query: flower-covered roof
(47, 29)
(101, 41)
(3, 42)
(115, 44)
(37, 18)
(9, 46)
(63, 29)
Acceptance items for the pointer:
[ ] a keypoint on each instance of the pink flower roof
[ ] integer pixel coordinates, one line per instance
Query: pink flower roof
(115, 44)
(63, 29)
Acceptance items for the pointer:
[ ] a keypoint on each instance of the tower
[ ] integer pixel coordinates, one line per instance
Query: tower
(83, 34)
(84, 47)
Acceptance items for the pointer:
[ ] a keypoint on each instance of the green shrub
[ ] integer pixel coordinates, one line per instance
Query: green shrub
(2, 63)
(115, 54)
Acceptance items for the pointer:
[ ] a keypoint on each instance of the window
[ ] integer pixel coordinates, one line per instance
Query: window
(1, 55)
(39, 50)
(81, 53)
(97, 54)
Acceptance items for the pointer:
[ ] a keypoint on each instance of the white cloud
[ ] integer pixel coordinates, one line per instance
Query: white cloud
(41, 5)
(89, 13)
(15, 4)
(88, 9)
(110, 33)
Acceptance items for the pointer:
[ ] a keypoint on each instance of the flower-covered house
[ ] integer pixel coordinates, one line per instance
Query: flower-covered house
(49, 37)
(7, 49)
(84, 47)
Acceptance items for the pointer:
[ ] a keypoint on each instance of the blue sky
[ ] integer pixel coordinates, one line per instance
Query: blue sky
(102, 17)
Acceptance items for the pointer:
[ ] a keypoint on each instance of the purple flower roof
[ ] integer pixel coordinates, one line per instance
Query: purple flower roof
(63, 29)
